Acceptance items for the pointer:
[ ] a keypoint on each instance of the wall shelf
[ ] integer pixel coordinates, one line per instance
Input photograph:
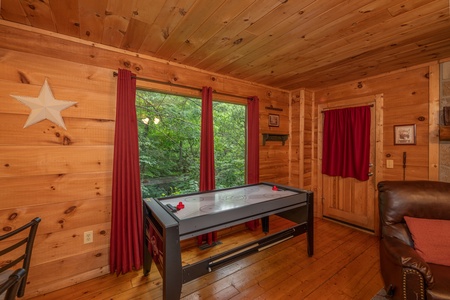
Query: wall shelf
(274, 137)
(444, 132)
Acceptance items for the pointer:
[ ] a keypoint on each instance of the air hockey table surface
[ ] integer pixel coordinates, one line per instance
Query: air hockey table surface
(197, 205)
(221, 208)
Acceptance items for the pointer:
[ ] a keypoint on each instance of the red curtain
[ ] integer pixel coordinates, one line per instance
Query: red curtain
(207, 170)
(253, 147)
(346, 142)
(253, 140)
(126, 220)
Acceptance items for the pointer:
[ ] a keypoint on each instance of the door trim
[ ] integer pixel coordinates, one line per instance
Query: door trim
(377, 100)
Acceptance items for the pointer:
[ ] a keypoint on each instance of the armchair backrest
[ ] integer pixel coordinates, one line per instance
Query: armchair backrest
(15, 250)
(419, 199)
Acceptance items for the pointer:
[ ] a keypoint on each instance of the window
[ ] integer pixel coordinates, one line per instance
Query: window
(169, 143)
(229, 144)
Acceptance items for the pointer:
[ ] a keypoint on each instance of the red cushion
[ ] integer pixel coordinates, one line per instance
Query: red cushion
(431, 239)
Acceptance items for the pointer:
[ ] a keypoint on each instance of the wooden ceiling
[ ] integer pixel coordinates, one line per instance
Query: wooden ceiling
(288, 44)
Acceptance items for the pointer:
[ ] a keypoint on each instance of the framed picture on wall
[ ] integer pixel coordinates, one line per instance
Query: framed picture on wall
(405, 134)
(274, 120)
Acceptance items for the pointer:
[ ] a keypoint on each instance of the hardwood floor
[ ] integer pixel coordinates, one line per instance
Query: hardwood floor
(345, 265)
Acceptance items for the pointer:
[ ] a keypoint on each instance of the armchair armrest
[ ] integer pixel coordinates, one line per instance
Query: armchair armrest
(404, 256)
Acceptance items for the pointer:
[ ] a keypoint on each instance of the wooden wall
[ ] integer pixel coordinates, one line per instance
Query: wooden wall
(302, 139)
(274, 156)
(444, 146)
(408, 94)
(64, 176)
(406, 98)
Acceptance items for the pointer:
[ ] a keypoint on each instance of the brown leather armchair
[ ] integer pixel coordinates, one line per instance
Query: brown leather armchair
(405, 274)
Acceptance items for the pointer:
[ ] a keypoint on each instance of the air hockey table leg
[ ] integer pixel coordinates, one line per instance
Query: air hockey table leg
(265, 224)
(172, 274)
(147, 264)
(147, 257)
(310, 225)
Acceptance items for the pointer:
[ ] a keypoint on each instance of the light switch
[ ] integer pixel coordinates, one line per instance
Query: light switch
(389, 163)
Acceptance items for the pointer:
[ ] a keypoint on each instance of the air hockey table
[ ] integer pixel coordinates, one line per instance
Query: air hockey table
(165, 226)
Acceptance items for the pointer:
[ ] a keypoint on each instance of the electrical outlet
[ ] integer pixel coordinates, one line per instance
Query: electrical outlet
(389, 164)
(88, 237)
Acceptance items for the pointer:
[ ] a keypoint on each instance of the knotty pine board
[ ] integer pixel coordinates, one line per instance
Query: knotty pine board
(83, 132)
(21, 192)
(20, 161)
(91, 26)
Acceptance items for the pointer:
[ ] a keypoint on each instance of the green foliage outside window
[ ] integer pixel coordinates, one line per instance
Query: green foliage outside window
(169, 143)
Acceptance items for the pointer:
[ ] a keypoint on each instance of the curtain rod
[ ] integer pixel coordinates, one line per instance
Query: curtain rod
(338, 107)
(115, 74)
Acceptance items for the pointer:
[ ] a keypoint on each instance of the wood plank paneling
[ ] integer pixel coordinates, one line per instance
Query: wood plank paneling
(215, 51)
(301, 157)
(64, 176)
(405, 100)
(91, 19)
(306, 30)
(84, 132)
(66, 16)
(434, 151)
(387, 81)
(217, 21)
(287, 44)
(170, 13)
(39, 14)
(193, 19)
(13, 10)
(64, 267)
(19, 161)
(21, 192)
(136, 36)
(64, 220)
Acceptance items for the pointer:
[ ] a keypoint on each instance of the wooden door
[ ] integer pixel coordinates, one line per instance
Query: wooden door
(347, 199)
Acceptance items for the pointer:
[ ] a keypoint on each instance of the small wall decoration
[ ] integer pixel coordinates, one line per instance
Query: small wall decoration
(405, 134)
(274, 120)
(446, 115)
(45, 106)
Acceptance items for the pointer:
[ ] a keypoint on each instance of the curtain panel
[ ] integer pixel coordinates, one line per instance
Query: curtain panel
(207, 167)
(126, 217)
(346, 142)
(252, 148)
(253, 140)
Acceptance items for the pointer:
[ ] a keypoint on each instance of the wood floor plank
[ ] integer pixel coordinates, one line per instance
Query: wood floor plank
(345, 265)
(305, 281)
(350, 278)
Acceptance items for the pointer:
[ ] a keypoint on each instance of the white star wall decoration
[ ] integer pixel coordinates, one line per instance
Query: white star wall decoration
(45, 106)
